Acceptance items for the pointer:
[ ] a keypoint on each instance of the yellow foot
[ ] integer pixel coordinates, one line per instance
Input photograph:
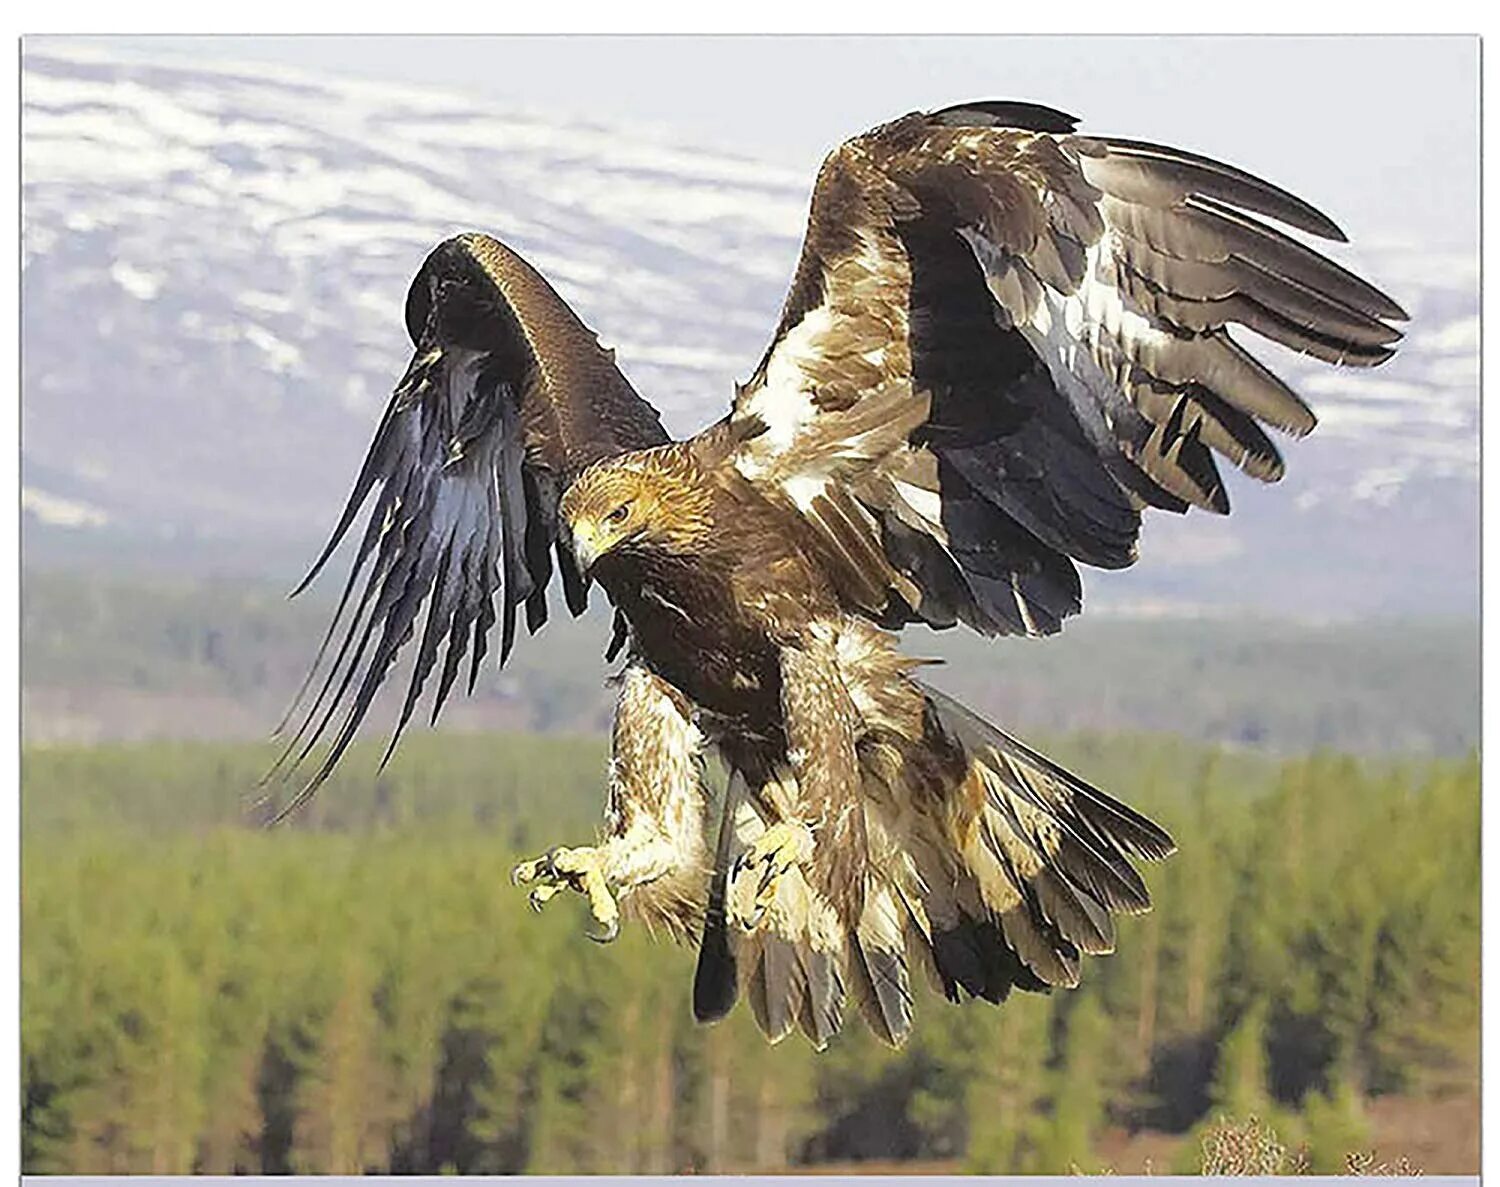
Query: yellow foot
(754, 876)
(572, 869)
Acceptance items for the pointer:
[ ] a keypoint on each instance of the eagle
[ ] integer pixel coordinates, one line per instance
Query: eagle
(1004, 340)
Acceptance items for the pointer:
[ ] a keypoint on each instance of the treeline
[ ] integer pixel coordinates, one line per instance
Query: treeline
(364, 991)
(140, 658)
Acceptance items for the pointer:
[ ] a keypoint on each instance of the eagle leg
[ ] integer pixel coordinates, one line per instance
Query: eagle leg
(650, 861)
(822, 725)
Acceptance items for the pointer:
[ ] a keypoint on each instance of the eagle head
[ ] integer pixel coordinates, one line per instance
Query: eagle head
(641, 504)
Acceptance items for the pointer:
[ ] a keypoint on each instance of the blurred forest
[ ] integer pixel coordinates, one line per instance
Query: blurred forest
(362, 990)
(137, 657)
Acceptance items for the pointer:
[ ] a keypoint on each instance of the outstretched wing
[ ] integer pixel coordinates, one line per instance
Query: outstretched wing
(1004, 339)
(507, 398)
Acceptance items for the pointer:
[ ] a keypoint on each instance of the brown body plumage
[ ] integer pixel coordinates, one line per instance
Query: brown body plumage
(1002, 342)
(711, 577)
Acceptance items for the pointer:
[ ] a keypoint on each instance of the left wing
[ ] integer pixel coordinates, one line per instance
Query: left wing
(1003, 340)
(507, 398)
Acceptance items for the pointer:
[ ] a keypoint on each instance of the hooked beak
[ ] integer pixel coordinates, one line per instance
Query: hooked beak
(585, 544)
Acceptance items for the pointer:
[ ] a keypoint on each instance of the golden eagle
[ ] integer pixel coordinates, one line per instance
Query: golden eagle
(1003, 341)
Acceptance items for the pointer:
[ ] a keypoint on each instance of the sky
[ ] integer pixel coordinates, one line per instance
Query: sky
(1380, 132)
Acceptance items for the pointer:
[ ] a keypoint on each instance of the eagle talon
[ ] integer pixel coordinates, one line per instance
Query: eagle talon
(542, 895)
(538, 869)
(610, 933)
(579, 870)
(757, 871)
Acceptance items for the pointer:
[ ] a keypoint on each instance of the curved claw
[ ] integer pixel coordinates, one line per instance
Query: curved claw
(610, 933)
(581, 873)
(530, 871)
(757, 871)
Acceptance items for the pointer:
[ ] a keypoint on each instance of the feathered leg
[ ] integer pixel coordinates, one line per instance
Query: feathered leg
(815, 915)
(652, 860)
(822, 730)
(814, 789)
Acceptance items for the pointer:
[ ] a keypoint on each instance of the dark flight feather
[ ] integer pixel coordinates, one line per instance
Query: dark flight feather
(880, 986)
(1005, 113)
(1158, 176)
(715, 979)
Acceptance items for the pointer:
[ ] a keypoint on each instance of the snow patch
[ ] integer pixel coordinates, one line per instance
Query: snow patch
(60, 512)
(280, 356)
(140, 284)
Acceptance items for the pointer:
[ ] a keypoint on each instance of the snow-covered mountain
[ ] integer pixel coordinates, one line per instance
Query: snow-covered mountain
(215, 260)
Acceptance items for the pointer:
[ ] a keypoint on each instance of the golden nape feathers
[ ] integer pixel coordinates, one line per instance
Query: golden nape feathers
(654, 500)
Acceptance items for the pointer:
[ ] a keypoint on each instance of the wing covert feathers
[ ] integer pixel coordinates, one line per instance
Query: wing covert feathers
(1004, 339)
(507, 397)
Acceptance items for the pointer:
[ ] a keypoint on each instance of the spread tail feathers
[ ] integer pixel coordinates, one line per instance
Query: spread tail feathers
(1042, 864)
(991, 868)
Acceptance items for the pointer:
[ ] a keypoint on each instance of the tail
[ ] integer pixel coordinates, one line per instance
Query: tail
(1042, 862)
(991, 868)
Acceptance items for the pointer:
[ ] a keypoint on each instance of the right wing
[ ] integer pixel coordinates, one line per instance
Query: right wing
(1004, 339)
(507, 399)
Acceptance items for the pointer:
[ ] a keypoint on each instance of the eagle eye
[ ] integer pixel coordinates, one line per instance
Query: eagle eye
(618, 514)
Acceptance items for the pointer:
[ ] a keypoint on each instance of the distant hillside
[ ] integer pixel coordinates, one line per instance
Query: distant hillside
(135, 658)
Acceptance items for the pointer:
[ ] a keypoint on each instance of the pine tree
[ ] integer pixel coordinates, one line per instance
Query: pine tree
(1003, 1097)
(1335, 1127)
(339, 1125)
(1241, 1087)
(1076, 1110)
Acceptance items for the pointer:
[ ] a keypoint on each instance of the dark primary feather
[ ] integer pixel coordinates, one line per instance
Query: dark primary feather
(715, 978)
(972, 955)
(1155, 176)
(508, 397)
(1005, 113)
(881, 988)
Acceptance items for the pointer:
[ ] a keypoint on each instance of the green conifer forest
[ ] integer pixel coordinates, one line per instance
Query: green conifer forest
(363, 990)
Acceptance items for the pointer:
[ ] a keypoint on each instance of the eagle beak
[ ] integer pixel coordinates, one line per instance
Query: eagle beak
(585, 545)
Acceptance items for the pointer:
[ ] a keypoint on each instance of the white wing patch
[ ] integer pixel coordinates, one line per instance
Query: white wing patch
(926, 505)
(784, 401)
(804, 489)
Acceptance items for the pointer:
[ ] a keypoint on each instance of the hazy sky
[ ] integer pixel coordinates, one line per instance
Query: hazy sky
(1379, 131)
